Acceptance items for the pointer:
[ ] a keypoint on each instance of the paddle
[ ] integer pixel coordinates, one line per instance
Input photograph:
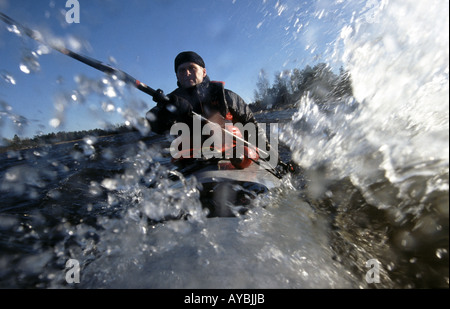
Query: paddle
(96, 64)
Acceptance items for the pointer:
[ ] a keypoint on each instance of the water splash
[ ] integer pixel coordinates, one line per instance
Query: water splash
(411, 68)
(389, 141)
(30, 62)
(14, 29)
(8, 78)
(19, 123)
(399, 114)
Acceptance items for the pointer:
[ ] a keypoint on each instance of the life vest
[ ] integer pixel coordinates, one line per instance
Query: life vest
(215, 108)
(248, 156)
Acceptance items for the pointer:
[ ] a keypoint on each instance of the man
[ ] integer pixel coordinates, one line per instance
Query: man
(196, 93)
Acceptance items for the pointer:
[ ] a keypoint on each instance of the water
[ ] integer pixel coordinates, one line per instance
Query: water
(373, 188)
(101, 213)
(379, 160)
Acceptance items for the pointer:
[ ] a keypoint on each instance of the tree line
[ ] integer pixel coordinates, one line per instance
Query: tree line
(319, 82)
(17, 143)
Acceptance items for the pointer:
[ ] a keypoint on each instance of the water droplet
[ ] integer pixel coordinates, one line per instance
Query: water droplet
(110, 92)
(24, 68)
(441, 253)
(74, 43)
(110, 184)
(43, 50)
(14, 29)
(30, 63)
(112, 60)
(8, 78)
(95, 189)
(55, 122)
(171, 108)
(5, 106)
(108, 107)
(90, 140)
(11, 176)
(150, 116)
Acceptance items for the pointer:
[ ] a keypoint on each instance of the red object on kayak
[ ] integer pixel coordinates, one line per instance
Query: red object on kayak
(250, 155)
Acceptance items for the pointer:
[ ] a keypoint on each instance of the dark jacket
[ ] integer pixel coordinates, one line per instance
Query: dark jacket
(207, 99)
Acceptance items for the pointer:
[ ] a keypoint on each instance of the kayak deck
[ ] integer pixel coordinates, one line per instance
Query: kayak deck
(225, 171)
(227, 191)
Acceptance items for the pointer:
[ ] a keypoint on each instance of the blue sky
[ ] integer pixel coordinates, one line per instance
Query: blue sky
(236, 38)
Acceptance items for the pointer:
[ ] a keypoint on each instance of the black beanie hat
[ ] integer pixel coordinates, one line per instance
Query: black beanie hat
(188, 56)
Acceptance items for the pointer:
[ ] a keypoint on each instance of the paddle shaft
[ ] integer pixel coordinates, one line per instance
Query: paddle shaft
(96, 64)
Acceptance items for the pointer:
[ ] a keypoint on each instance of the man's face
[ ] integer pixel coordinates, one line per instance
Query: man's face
(190, 74)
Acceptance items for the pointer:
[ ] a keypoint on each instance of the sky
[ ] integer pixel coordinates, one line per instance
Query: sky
(43, 91)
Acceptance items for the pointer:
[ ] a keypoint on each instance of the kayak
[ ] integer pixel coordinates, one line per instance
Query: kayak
(227, 191)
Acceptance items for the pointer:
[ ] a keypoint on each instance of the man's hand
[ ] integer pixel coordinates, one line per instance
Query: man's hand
(160, 97)
(170, 109)
(178, 107)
